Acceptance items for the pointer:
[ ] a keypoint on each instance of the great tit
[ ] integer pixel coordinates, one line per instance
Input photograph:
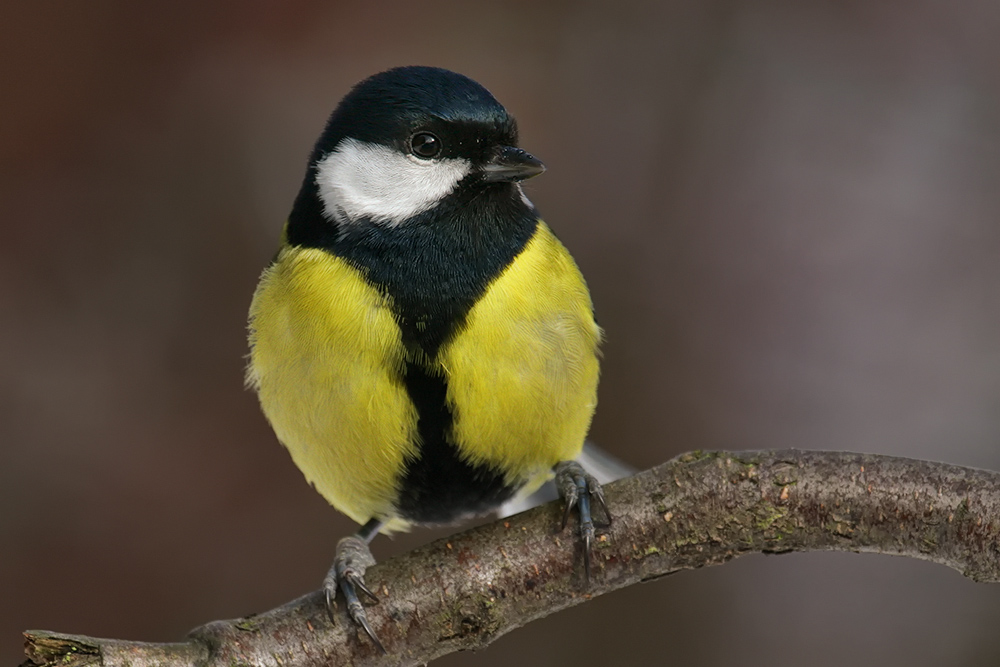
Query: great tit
(422, 343)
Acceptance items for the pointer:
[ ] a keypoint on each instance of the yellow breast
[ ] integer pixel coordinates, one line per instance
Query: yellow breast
(522, 374)
(327, 360)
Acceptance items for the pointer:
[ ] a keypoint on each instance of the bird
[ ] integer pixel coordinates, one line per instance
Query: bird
(422, 343)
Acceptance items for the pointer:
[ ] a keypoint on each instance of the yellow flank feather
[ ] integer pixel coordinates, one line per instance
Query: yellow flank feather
(522, 373)
(326, 358)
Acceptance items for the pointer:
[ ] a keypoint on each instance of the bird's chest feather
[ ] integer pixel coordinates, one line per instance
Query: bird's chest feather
(450, 403)
(327, 362)
(522, 373)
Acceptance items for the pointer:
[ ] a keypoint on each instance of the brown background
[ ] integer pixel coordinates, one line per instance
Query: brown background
(788, 213)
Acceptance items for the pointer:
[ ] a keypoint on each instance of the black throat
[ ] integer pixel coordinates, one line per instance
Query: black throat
(434, 267)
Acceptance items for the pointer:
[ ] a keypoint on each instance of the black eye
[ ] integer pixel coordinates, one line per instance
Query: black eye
(425, 145)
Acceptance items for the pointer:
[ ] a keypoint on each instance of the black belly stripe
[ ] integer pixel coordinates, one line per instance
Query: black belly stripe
(434, 268)
(438, 486)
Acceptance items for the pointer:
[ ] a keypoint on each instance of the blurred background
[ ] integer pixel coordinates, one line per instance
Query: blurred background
(788, 213)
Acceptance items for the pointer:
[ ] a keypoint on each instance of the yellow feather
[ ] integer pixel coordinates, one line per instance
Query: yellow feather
(522, 373)
(326, 355)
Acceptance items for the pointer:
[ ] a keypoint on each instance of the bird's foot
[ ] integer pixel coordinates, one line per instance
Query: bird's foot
(577, 488)
(353, 557)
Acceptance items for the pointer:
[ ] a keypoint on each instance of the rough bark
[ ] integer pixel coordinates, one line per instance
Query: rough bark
(699, 509)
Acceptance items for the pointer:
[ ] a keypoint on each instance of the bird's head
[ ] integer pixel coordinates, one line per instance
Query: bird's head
(404, 140)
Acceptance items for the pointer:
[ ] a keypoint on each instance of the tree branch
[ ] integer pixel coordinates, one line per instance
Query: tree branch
(699, 509)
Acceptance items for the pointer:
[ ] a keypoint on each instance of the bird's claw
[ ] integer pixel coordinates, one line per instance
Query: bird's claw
(352, 560)
(577, 488)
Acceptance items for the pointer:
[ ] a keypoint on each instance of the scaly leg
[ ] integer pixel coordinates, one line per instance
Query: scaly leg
(352, 558)
(577, 488)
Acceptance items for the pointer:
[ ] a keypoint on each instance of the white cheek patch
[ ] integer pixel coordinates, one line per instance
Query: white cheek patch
(361, 180)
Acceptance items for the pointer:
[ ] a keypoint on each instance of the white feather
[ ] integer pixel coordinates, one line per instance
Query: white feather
(524, 197)
(362, 180)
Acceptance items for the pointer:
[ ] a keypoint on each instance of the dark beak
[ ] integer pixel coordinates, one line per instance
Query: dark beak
(511, 164)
